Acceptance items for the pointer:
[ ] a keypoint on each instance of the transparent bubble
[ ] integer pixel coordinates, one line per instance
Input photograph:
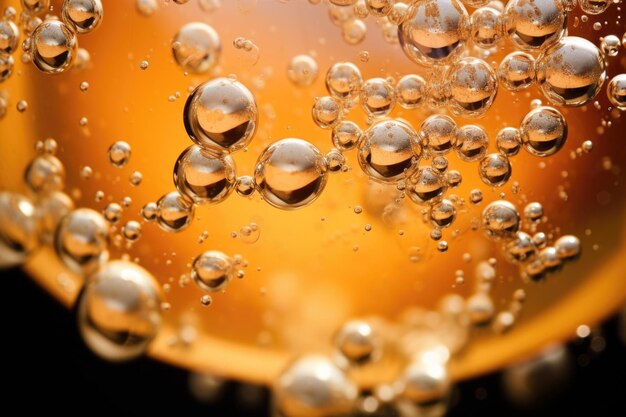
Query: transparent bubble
(439, 132)
(221, 115)
(51, 208)
(35, 7)
(245, 186)
(326, 111)
(346, 135)
(454, 178)
(434, 31)
(594, 6)
(480, 308)
(119, 311)
(495, 169)
(147, 7)
(204, 177)
(610, 45)
(509, 141)
(533, 211)
(486, 27)
(343, 80)
(410, 91)
(335, 160)
(9, 36)
(83, 15)
(290, 174)
(426, 186)
(82, 240)
(212, 271)
(549, 259)
(19, 229)
(473, 87)
(567, 247)
(387, 150)
(517, 71)
(379, 8)
(45, 173)
(149, 211)
(535, 24)
(399, 13)
(471, 143)
(119, 154)
(500, 220)
(425, 381)
(303, 70)
(571, 72)
(476, 196)
(314, 386)
(196, 47)
(521, 248)
(174, 212)
(82, 59)
(357, 342)
(54, 46)
(443, 213)
(616, 91)
(544, 131)
(353, 31)
(440, 163)
(377, 97)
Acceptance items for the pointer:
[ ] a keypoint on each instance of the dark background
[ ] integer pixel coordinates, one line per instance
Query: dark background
(48, 369)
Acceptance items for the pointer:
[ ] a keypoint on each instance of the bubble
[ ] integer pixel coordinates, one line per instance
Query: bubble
(540, 239)
(143, 65)
(302, 71)
(314, 386)
(83, 15)
(610, 45)
(35, 7)
(379, 8)
(480, 308)
(174, 212)
(567, 247)
(221, 115)
(149, 211)
(503, 322)
(203, 176)
(594, 6)
(212, 271)
(119, 311)
(533, 211)
(535, 24)
(454, 178)
(45, 173)
(509, 141)
(476, 196)
(119, 154)
(410, 91)
(549, 259)
(335, 160)
(571, 72)
(517, 71)
(290, 174)
(206, 300)
(544, 131)
(326, 111)
(22, 106)
(343, 80)
(426, 186)
(147, 7)
(51, 207)
(616, 91)
(245, 186)
(82, 59)
(377, 97)
(387, 150)
(443, 213)
(495, 169)
(358, 209)
(500, 220)
(19, 229)
(440, 133)
(112, 213)
(434, 31)
(81, 241)
(471, 143)
(54, 47)
(486, 24)
(196, 47)
(346, 135)
(473, 87)
(521, 248)
(442, 246)
(425, 381)
(357, 343)
(399, 13)
(9, 36)
(353, 31)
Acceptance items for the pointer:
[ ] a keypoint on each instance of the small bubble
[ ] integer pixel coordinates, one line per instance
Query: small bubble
(22, 106)
(303, 70)
(119, 154)
(196, 47)
(86, 172)
(135, 178)
(131, 230)
(144, 65)
(206, 300)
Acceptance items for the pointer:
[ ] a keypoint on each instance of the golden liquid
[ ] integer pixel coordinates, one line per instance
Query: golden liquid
(305, 277)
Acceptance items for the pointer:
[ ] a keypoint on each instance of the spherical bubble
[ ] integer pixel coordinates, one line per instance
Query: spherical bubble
(434, 31)
(480, 308)
(212, 271)
(335, 160)
(535, 24)
(131, 230)
(398, 14)
(486, 23)
(9, 36)
(343, 80)
(571, 72)
(82, 240)
(594, 6)
(119, 311)
(19, 228)
(425, 381)
(54, 47)
(533, 211)
(544, 131)
(495, 169)
(326, 111)
(83, 15)
(221, 115)
(387, 150)
(454, 178)
(35, 7)
(148, 7)
(346, 135)
(204, 177)
(302, 70)
(357, 342)
(509, 141)
(196, 47)
(290, 174)
(473, 87)
(567, 247)
(439, 132)
(6, 66)
(314, 386)
(245, 186)
(443, 213)
(112, 213)
(440, 163)
(471, 143)
(379, 8)
(521, 248)
(476, 196)
(119, 154)
(616, 91)
(549, 259)
(51, 208)
(517, 71)
(174, 212)
(149, 211)
(377, 97)
(410, 91)
(426, 186)
(353, 31)
(45, 173)
(500, 220)
(610, 45)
